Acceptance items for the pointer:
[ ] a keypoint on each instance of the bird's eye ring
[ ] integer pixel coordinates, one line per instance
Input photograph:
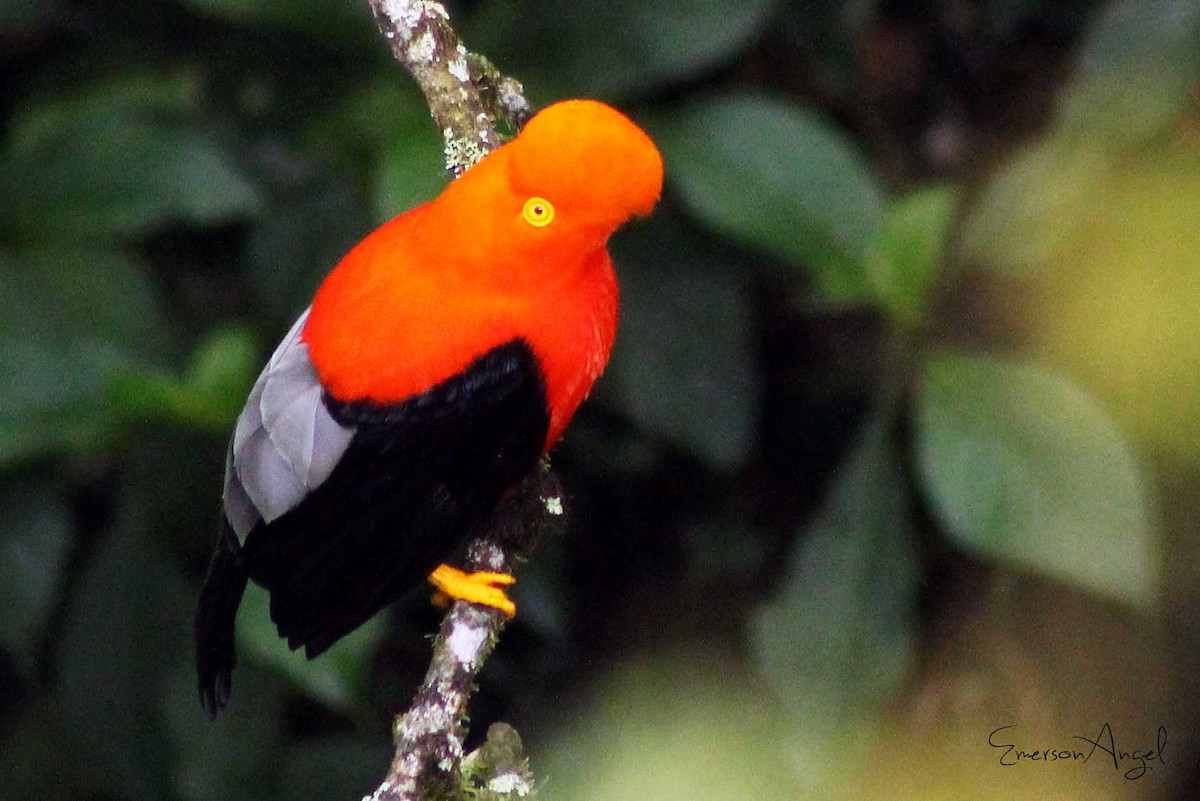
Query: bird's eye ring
(538, 212)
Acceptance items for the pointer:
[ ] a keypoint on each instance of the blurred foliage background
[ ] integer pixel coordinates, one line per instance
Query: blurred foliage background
(899, 444)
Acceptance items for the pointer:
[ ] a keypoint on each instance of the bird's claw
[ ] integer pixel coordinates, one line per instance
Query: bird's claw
(483, 587)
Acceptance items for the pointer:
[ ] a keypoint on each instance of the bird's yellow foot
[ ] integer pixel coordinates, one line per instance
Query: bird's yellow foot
(478, 588)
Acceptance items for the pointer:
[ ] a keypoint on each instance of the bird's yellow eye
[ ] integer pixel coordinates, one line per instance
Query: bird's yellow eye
(538, 212)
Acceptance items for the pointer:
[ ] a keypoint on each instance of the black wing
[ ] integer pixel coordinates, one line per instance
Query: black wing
(413, 482)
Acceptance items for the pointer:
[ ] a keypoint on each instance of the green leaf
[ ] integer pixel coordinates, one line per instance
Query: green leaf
(614, 48)
(299, 238)
(840, 632)
(350, 127)
(335, 21)
(128, 623)
(839, 637)
(211, 392)
(51, 400)
(112, 170)
(1129, 99)
(70, 320)
(412, 169)
(235, 757)
(1016, 223)
(223, 367)
(1139, 64)
(131, 92)
(1129, 34)
(82, 295)
(34, 542)
(779, 178)
(909, 252)
(336, 679)
(680, 724)
(43, 379)
(1021, 466)
(683, 365)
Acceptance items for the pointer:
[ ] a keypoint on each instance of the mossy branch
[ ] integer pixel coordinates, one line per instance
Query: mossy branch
(466, 94)
(430, 762)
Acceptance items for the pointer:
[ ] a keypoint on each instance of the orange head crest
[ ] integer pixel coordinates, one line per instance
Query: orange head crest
(589, 162)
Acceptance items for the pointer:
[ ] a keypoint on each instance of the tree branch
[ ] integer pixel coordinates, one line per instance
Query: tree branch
(464, 91)
(429, 761)
(465, 94)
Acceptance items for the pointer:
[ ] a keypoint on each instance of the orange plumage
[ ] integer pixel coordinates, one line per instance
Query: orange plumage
(427, 293)
(439, 360)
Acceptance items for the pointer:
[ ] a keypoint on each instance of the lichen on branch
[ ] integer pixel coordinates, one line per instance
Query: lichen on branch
(430, 762)
(465, 94)
(463, 90)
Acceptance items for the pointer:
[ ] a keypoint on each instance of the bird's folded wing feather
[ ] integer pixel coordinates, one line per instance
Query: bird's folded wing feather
(286, 443)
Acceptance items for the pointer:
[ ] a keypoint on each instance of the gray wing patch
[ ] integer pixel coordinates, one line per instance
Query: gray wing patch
(285, 444)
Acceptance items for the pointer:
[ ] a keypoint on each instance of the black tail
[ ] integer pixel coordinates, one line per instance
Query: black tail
(219, 601)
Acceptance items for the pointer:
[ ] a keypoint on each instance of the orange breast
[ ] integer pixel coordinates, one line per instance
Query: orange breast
(406, 310)
(573, 336)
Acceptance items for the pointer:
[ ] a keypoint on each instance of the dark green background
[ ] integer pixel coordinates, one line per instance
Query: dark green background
(899, 442)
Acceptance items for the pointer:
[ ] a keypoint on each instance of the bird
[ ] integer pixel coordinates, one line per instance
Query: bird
(437, 363)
